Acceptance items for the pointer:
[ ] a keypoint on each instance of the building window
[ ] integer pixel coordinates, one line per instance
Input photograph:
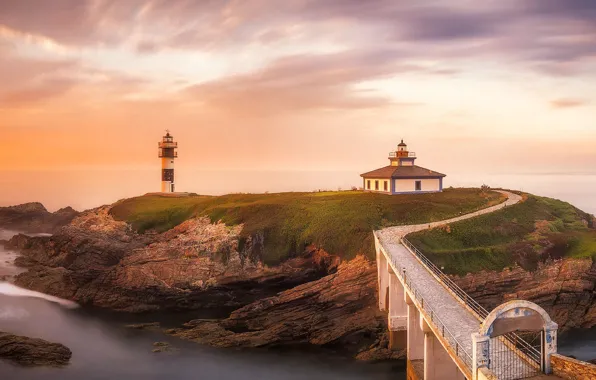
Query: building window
(377, 185)
(418, 185)
(167, 175)
(368, 184)
(385, 185)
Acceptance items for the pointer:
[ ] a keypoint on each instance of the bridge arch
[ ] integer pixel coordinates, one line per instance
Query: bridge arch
(515, 315)
(497, 340)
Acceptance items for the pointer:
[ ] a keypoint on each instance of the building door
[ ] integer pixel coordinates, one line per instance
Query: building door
(418, 185)
(385, 185)
(377, 185)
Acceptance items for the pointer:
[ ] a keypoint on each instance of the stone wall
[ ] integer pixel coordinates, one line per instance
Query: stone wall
(573, 369)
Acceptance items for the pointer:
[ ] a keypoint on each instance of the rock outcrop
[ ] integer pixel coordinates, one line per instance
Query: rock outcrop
(565, 288)
(32, 351)
(35, 218)
(338, 310)
(96, 260)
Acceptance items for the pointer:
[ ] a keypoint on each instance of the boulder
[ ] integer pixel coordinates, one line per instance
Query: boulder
(35, 218)
(27, 351)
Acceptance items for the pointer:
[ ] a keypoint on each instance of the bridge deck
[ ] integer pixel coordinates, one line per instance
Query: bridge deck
(460, 321)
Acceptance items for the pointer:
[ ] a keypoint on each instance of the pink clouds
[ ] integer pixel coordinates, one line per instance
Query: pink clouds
(282, 69)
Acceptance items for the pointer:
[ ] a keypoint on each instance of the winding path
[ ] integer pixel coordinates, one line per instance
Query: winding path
(398, 232)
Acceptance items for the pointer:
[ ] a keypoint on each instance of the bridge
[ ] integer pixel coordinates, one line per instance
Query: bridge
(446, 334)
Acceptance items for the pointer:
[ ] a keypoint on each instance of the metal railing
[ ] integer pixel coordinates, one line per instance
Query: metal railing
(480, 311)
(513, 340)
(162, 154)
(167, 144)
(460, 350)
(395, 154)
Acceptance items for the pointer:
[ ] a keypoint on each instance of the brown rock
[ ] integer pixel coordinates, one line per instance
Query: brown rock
(339, 309)
(33, 352)
(96, 260)
(564, 288)
(144, 326)
(34, 218)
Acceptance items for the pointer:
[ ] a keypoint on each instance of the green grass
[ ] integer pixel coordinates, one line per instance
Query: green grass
(524, 234)
(339, 222)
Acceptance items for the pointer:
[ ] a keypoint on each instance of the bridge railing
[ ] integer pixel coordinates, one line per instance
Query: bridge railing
(513, 340)
(456, 345)
(469, 301)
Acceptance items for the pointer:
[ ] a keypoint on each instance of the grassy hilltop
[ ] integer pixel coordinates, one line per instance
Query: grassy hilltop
(525, 234)
(339, 222)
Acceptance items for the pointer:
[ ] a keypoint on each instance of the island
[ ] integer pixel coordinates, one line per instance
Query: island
(298, 268)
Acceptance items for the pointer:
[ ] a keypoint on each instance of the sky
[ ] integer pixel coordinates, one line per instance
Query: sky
(88, 87)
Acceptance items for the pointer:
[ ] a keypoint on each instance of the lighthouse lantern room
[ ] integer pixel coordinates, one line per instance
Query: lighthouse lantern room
(167, 153)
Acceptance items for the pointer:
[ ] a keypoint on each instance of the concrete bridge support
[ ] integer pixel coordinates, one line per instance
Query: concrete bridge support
(383, 279)
(398, 313)
(415, 339)
(438, 365)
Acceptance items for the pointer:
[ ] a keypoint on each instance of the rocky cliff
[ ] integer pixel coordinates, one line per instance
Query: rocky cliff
(96, 260)
(309, 299)
(35, 218)
(565, 288)
(338, 310)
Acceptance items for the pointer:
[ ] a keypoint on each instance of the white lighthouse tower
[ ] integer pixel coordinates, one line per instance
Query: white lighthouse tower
(167, 153)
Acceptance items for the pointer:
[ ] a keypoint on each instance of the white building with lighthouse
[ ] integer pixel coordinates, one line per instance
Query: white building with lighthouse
(402, 176)
(167, 153)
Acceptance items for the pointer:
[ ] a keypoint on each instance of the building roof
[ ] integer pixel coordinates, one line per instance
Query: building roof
(402, 143)
(413, 171)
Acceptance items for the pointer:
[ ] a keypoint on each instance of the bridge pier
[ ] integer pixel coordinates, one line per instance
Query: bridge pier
(398, 314)
(383, 278)
(415, 339)
(438, 365)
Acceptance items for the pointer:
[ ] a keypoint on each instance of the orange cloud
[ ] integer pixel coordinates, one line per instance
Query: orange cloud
(568, 103)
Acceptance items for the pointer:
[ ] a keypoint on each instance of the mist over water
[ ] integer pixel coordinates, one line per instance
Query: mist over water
(105, 349)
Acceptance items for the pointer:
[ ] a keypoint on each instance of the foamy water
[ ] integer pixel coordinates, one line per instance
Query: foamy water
(11, 290)
(7, 268)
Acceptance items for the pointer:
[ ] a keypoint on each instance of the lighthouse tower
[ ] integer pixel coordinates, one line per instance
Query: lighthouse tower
(167, 153)
(402, 157)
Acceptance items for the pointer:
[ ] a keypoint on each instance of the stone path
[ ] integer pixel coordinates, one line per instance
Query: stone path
(398, 232)
(452, 313)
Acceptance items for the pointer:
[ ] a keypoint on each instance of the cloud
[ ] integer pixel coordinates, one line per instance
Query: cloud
(568, 103)
(29, 81)
(17, 71)
(36, 93)
(538, 33)
(308, 81)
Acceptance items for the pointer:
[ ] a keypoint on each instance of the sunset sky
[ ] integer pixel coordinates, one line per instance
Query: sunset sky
(485, 86)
